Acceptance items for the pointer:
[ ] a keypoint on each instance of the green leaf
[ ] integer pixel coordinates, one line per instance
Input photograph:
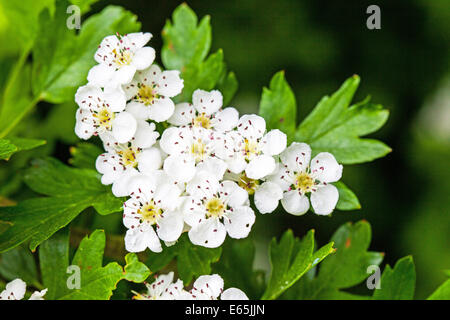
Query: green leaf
(12, 145)
(84, 155)
(345, 269)
(398, 283)
(278, 106)
(347, 199)
(185, 43)
(6, 149)
(84, 5)
(185, 47)
(335, 127)
(441, 293)
(228, 85)
(97, 281)
(291, 258)
(192, 261)
(205, 75)
(54, 260)
(19, 263)
(135, 270)
(62, 59)
(22, 18)
(240, 254)
(70, 191)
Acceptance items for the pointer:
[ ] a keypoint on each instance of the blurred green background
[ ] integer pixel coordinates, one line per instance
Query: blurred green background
(404, 66)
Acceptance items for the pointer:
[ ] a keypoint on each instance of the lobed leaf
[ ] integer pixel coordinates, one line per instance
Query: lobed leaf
(398, 283)
(278, 106)
(291, 258)
(186, 47)
(335, 126)
(70, 192)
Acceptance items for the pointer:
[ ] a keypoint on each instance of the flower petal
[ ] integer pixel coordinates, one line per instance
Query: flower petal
(294, 203)
(120, 184)
(149, 160)
(267, 197)
(161, 109)
(207, 102)
(226, 119)
(214, 166)
(239, 222)
(169, 83)
(210, 284)
(137, 240)
(325, 168)
(143, 58)
(115, 98)
(145, 135)
(180, 167)
(234, 195)
(260, 166)
(123, 127)
(209, 233)
(182, 115)
(324, 200)
(137, 109)
(123, 75)
(100, 75)
(233, 294)
(251, 126)
(274, 142)
(170, 226)
(296, 156)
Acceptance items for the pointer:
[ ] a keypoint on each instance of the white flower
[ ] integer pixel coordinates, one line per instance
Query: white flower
(119, 57)
(267, 194)
(101, 112)
(253, 149)
(150, 93)
(163, 288)
(154, 202)
(210, 287)
(298, 178)
(124, 160)
(15, 290)
(205, 112)
(192, 148)
(214, 209)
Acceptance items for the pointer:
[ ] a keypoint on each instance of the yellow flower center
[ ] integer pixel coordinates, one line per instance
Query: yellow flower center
(202, 121)
(247, 184)
(251, 149)
(215, 207)
(198, 150)
(128, 156)
(304, 182)
(121, 58)
(145, 95)
(104, 118)
(150, 212)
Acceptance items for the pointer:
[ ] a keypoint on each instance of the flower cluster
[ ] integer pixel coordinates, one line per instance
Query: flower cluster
(207, 287)
(198, 174)
(15, 290)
